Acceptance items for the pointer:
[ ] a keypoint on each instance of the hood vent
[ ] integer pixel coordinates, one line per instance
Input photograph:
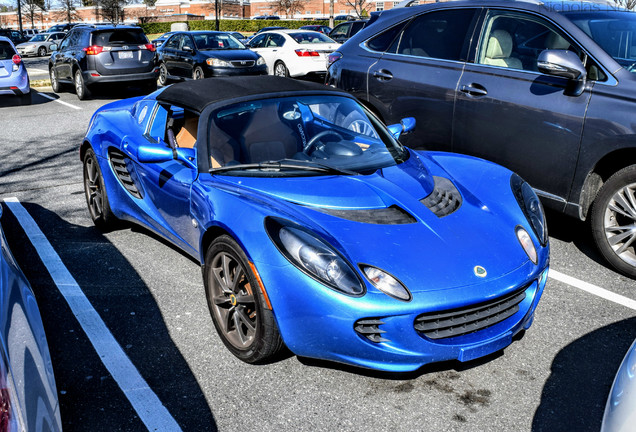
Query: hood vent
(444, 199)
(392, 215)
(120, 165)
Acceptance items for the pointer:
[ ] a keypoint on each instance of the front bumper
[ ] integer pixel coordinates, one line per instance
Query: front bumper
(27, 51)
(93, 77)
(319, 323)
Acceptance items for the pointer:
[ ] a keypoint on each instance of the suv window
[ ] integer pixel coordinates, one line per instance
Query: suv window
(74, 38)
(383, 41)
(341, 30)
(119, 37)
(439, 34)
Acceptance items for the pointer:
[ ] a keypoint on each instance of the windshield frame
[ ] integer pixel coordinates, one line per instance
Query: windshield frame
(395, 151)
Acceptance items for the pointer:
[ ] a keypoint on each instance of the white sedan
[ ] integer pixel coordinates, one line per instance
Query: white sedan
(294, 52)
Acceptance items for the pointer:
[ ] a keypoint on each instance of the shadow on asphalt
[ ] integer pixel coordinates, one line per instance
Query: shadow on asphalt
(582, 373)
(90, 399)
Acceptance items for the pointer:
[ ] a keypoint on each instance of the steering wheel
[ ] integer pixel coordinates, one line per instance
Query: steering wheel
(312, 142)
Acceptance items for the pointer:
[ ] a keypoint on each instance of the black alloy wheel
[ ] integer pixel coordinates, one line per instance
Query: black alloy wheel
(237, 306)
(95, 192)
(613, 220)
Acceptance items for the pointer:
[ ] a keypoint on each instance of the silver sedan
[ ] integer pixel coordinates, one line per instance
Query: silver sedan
(40, 44)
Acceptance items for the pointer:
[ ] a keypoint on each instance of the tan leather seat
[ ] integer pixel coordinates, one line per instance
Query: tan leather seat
(499, 49)
(187, 136)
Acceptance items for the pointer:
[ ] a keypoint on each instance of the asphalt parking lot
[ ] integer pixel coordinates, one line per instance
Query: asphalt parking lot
(555, 377)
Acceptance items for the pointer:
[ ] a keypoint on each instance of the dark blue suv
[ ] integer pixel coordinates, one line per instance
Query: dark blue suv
(545, 89)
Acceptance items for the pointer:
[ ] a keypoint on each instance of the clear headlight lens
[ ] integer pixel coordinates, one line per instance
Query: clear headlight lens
(386, 283)
(260, 61)
(314, 256)
(527, 244)
(531, 207)
(217, 62)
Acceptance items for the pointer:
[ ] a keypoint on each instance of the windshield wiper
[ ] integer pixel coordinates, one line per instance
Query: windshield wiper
(286, 164)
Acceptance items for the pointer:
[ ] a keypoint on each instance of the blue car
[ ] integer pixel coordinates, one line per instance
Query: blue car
(315, 228)
(14, 79)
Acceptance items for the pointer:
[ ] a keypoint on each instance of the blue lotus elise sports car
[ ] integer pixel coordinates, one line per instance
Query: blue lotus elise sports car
(315, 228)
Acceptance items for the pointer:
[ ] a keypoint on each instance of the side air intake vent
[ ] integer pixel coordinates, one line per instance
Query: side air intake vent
(121, 166)
(392, 215)
(444, 199)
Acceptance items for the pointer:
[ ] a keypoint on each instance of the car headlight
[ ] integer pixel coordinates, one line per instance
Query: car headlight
(217, 62)
(386, 283)
(260, 61)
(314, 257)
(531, 207)
(527, 244)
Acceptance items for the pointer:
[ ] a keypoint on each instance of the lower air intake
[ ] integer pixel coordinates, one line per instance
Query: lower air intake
(370, 328)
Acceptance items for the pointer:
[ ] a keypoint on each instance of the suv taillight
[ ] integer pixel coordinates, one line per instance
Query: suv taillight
(150, 47)
(93, 49)
(16, 59)
(333, 57)
(306, 53)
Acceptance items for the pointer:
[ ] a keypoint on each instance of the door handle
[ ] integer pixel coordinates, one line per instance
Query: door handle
(383, 75)
(474, 90)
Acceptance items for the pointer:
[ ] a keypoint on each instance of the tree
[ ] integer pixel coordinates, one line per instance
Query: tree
(627, 4)
(289, 7)
(361, 7)
(68, 11)
(31, 9)
(112, 10)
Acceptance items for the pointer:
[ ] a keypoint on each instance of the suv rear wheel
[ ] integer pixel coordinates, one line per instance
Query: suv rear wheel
(55, 83)
(613, 220)
(81, 89)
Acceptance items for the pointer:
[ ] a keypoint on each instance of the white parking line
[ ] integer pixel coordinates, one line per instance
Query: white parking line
(58, 101)
(145, 402)
(593, 289)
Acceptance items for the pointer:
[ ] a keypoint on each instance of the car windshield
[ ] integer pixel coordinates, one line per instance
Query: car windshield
(299, 136)
(6, 51)
(38, 38)
(310, 38)
(216, 41)
(614, 31)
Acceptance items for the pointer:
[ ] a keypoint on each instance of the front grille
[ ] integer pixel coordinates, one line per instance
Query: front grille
(392, 215)
(458, 322)
(370, 329)
(242, 63)
(444, 199)
(119, 162)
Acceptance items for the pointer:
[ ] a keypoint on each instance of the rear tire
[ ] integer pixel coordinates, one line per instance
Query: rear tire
(81, 89)
(42, 51)
(237, 306)
(280, 69)
(613, 220)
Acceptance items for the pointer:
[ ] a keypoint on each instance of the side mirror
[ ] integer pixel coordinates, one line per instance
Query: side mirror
(405, 126)
(187, 48)
(54, 47)
(154, 153)
(561, 63)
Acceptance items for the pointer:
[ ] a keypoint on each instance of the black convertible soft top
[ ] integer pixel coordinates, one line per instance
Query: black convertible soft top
(198, 94)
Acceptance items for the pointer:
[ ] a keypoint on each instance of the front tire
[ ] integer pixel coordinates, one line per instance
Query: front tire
(42, 51)
(280, 69)
(613, 220)
(95, 192)
(55, 83)
(81, 89)
(198, 73)
(237, 306)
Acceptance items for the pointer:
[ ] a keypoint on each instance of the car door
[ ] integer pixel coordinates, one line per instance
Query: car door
(64, 56)
(186, 56)
(417, 76)
(265, 45)
(167, 185)
(508, 112)
(170, 54)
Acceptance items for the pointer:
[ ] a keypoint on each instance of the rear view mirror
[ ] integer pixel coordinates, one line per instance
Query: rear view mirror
(562, 63)
(405, 126)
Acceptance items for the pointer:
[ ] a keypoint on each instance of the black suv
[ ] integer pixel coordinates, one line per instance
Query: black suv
(547, 89)
(15, 36)
(89, 55)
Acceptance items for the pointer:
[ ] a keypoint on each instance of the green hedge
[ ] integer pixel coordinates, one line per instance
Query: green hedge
(247, 26)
